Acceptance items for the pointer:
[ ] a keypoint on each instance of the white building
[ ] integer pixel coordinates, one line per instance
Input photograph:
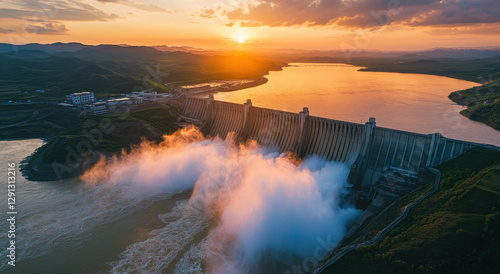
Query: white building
(80, 98)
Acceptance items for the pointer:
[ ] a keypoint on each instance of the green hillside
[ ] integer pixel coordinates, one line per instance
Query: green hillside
(483, 103)
(110, 70)
(456, 230)
(87, 137)
(470, 70)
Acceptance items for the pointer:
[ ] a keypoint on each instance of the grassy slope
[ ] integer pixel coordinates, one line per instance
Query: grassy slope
(372, 226)
(456, 230)
(21, 75)
(475, 99)
(161, 118)
(21, 121)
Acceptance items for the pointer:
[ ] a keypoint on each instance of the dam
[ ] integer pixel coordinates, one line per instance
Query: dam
(368, 149)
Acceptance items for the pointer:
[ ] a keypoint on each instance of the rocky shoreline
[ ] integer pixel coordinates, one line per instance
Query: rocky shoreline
(478, 109)
(34, 168)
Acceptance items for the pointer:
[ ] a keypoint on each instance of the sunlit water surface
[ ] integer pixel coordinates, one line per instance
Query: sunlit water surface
(411, 102)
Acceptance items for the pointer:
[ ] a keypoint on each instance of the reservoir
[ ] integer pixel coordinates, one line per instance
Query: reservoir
(411, 102)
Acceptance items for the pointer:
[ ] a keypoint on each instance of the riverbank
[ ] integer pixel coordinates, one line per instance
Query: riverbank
(483, 103)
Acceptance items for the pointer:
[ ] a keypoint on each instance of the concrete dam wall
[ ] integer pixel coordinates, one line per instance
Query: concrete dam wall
(367, 148)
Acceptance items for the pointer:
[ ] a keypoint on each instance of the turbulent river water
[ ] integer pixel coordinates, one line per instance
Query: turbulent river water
(203, 206)
(194, 206)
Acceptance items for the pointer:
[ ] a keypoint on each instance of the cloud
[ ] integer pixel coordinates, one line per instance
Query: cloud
(45, 16)
(210, 13)
(207, 13)
(476, 29)
(137, 5)
(360, 13)
(2, 30)
(15, 13)
(48, 28)
(48, 11)
(461, 12)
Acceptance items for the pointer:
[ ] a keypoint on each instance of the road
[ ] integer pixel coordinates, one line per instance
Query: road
(386, 230)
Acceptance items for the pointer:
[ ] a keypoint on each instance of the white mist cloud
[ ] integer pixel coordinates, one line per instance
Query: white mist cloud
(262, 203)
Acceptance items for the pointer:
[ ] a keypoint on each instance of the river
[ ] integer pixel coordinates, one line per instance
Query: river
(404, 101)
(66, 227)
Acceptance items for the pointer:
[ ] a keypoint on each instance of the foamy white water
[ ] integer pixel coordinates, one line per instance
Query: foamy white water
(136, 214)
(165, 244)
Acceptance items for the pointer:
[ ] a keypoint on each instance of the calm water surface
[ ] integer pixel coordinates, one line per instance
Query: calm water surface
(412, 102)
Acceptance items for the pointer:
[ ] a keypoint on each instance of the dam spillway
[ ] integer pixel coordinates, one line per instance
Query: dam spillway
(368, 149)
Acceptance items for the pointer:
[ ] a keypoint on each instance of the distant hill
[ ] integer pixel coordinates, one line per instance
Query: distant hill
(50, 48)
(494, 58)
(7, 47)
(106, 52)
(109, 70)
(459, 53)
(467, 69)
(27, 53)
(56, 47)
(284, 54)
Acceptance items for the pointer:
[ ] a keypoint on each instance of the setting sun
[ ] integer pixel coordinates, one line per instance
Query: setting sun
(240, 39)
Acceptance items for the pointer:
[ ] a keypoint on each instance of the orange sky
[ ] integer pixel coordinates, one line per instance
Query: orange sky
(300, 24)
